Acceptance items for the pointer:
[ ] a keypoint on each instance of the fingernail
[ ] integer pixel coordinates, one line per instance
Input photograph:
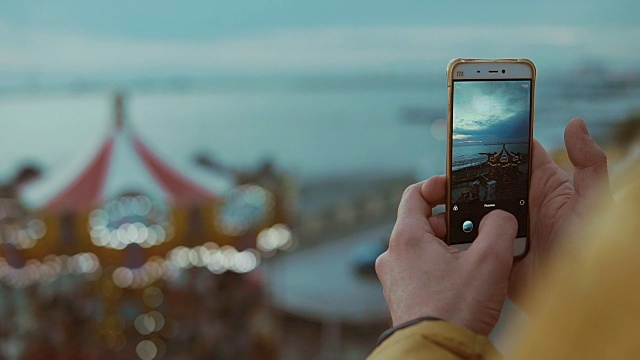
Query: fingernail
(584, 128)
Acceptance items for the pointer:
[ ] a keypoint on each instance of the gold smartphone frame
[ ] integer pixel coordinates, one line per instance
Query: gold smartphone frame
(518, 252)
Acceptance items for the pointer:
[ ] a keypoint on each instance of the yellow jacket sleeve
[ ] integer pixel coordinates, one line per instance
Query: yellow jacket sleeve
(588, 305)
(437, 340)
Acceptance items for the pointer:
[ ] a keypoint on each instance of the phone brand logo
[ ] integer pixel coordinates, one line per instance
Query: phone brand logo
(459, 73)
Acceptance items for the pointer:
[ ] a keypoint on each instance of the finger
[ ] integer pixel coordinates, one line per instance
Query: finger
(540, 157)
(591, 174)
(439, 225)
(381, 265)
(494, 244)
(434, 190)
(413, 211)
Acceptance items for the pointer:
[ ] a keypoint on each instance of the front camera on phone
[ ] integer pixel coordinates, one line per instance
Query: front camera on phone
(504, 71)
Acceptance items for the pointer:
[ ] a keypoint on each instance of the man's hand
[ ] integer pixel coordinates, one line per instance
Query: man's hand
(422, 276)
(557, 203)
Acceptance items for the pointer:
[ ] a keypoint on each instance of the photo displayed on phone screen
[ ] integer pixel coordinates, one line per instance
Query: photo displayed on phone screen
(490, 154)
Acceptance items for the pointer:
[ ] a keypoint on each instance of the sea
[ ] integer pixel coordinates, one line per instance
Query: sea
(311, 127)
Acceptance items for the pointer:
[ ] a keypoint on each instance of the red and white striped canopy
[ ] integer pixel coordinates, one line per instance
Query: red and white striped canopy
(124, 164)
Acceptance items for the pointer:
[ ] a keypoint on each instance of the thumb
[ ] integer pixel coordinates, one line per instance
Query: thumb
(591, 174)
(494, 244)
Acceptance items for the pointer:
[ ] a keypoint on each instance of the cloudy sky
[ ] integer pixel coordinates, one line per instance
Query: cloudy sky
(74, 40)
(491, 111)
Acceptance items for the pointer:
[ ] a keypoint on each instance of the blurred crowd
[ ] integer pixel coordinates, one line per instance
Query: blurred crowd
(198, 316)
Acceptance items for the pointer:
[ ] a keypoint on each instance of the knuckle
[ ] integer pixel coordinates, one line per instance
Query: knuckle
(411, 188)
(381, 264)
(400, 239)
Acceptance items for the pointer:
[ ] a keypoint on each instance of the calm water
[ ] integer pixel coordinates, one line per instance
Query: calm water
(313, 132)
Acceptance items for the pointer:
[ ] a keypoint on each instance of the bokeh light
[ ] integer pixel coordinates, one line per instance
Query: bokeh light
(130, 219)
(146, 350)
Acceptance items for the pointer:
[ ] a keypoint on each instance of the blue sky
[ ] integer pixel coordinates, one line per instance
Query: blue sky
(72, 39)
(206, 19)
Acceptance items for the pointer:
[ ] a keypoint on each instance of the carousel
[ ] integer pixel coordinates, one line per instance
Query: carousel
(502, 175)
(138, 259)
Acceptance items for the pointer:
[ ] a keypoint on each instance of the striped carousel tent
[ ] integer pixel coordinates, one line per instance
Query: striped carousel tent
(129, 209)
(125, 164)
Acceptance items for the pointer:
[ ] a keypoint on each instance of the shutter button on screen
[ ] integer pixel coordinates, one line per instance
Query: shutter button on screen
(467, 226)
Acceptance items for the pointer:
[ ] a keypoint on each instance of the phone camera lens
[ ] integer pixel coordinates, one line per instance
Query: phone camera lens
(504, 71)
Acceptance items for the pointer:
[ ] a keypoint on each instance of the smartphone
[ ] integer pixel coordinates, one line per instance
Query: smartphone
(490, 131)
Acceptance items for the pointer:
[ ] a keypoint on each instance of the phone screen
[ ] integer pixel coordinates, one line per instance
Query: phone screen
(491, 125)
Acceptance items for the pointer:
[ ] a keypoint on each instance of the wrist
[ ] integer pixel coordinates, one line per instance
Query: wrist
(426, 338)
(387, 333)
